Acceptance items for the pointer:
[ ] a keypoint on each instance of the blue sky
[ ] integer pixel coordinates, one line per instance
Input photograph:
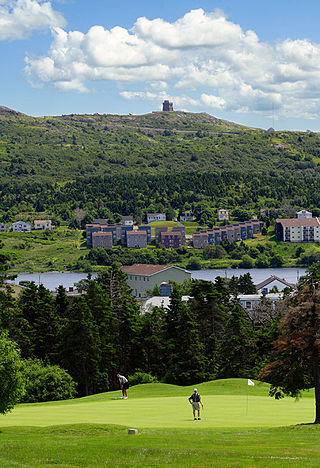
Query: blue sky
(251, 62)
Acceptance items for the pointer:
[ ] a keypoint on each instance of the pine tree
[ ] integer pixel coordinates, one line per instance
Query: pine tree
(154, 349)
(237, 350)
(126, 313)
(81, 347)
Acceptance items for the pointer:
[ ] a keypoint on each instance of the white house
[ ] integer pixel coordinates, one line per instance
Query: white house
(44, 224)
(21, 226)
(304, 214)
(187, 216)
(251, 301)
(127, 221)
(273, 282)
(159, 301)
(223, 215)
(4, 227)
(151, 217)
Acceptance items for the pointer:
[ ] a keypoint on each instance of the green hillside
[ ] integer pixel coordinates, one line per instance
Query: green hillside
(111, 165)
(63, 148)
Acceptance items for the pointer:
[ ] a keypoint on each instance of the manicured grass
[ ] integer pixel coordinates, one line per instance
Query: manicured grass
(92, 431)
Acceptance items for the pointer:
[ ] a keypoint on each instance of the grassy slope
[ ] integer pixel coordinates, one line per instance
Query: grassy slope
(86, 432)
(41, 251)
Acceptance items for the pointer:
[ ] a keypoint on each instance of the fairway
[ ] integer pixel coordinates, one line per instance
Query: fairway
(167, 406)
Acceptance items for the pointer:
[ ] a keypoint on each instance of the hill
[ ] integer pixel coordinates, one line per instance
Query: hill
(164, 161)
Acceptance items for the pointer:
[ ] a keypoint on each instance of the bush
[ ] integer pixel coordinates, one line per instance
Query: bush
(46, 382)
(11, 374)
(141, 378)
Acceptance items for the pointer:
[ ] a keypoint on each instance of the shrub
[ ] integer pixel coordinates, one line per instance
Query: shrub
(11, 374)
(141, 378)
(46, 382)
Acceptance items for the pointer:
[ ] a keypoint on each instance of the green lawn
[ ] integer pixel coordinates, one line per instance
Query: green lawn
(92, 431)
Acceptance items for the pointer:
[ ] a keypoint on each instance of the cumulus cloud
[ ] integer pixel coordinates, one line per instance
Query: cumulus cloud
(202, 61)
(20, 17)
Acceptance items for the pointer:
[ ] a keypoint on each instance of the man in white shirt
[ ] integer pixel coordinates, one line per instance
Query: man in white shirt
(124, 385)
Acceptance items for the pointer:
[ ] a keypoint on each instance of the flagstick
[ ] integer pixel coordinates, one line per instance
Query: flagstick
(247, 401)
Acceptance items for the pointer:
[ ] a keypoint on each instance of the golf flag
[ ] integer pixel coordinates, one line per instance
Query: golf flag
(250, 383)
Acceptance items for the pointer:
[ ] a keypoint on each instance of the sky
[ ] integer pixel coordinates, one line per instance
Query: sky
(253, 62)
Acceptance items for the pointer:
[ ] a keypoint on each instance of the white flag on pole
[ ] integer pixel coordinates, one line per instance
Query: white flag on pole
(250, 383)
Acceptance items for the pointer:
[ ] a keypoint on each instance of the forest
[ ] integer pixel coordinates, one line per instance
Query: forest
(82, 344)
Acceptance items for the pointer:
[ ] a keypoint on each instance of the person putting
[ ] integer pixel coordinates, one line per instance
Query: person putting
(124, 385)
(195, 401)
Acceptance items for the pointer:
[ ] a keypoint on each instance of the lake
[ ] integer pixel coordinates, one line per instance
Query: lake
(52, 280)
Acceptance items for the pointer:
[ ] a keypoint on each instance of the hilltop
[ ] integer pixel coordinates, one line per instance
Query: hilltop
(56, 149)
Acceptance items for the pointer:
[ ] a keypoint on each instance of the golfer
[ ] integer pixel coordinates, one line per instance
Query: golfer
(124, 385)
(195, 401)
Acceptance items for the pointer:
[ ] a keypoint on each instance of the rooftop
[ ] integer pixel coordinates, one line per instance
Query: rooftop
(299, 222)
(274, 278)
(146, 269)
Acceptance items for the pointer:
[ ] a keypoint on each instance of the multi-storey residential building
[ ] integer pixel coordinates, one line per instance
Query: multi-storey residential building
(43, 224)
(142, 278)
(158, 231)
(137, 239)
(200, 240)
(172, 239)
(102, 239)
(124, 231)
(232, 233)
(148, 231)
(298, 229)
(151, 217)
(90, 229)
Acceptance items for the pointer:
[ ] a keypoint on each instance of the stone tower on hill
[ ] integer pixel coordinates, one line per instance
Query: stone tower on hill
(167, 106)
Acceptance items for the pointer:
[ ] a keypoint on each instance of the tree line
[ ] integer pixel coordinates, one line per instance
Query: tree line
(102, 332)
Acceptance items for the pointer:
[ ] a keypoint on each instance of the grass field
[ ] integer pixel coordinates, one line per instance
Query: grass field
(92, 431)
(42, 250)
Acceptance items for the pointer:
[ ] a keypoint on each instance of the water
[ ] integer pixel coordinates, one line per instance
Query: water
(52, 280)
(291, 275)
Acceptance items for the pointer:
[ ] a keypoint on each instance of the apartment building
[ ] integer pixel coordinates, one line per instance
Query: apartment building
(298, 229)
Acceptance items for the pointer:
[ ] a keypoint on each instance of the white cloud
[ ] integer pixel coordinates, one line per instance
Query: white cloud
(208, 61)
(20, 17)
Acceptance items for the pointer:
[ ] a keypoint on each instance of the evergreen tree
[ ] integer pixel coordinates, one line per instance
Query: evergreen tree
(81, 347)
(186, 362)
(154, 349)
(126, 314)
(37, 314)
(237, 351)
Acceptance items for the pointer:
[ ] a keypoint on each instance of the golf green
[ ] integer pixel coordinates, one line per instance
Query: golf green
(167, 406)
